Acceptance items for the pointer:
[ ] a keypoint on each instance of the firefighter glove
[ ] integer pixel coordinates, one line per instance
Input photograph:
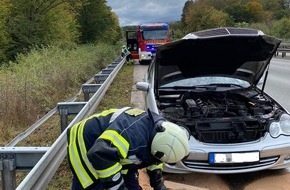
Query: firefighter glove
(156, 179)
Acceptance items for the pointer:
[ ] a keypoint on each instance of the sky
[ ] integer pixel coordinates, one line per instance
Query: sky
(133, 12)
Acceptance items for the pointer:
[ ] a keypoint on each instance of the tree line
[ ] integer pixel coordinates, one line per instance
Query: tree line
(270, 16)
(27, 24)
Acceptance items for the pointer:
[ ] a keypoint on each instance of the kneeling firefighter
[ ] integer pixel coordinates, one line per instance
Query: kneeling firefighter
(106, 150)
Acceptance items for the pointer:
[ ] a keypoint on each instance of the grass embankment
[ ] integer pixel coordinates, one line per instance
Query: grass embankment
(35, 83)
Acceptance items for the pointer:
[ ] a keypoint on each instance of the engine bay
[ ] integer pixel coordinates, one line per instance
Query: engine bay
(223, 116)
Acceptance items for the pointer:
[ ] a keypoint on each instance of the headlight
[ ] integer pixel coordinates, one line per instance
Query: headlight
(143, 56)
(274, 129)
(282, 127)
(285, 124)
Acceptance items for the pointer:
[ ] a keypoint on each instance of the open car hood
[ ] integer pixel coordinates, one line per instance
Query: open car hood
(235, 52)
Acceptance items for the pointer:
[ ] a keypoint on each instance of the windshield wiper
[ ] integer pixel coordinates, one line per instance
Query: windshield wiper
(227, 85)
(205, 87)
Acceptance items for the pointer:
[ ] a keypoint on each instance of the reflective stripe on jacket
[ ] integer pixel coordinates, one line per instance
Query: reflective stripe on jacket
(77, 151)
(101, 145)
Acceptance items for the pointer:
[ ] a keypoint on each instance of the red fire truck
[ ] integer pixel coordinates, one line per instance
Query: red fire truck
(143, 42)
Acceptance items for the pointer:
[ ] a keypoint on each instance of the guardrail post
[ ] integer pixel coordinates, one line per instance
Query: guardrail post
(107, 71)
(63, 117)
(89, 88)
(67, 108)
(111, 66)
(100, 78)
(8, 173)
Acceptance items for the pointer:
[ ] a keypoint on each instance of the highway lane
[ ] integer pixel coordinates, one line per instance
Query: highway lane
(278, 83)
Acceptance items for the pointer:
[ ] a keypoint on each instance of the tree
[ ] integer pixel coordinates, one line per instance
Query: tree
(40, 23)
(255, 11)
(278, 8)
(176, 31)
(238, 11)
(4, 36)
(185, 11)
(281, 28)
(113, 32)
(285, 4)
(200, 15)
(97, 22)
(261, 26)
(62, 26)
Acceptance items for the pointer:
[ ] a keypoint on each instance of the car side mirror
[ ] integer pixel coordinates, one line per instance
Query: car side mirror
(143, 86)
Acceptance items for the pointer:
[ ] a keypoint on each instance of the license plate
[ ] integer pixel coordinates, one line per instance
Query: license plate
(228, 158)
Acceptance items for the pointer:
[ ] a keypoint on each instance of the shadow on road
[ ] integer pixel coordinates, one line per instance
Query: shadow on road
(239, 181)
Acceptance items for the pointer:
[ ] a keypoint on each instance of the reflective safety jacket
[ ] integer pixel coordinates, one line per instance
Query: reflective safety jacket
(125, 52)
(112, 141)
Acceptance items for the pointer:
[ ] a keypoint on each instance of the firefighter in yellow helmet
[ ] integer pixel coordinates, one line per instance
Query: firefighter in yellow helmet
(106, 150)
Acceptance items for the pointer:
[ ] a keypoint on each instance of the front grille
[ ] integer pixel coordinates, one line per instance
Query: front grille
(204, 165)
(223, 132)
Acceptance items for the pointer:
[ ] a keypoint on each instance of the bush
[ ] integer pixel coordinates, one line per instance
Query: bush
(36, 82)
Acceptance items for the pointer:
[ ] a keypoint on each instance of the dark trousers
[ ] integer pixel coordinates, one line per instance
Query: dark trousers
(130, 179)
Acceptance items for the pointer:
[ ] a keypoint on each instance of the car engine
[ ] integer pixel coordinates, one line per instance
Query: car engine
(223, 116)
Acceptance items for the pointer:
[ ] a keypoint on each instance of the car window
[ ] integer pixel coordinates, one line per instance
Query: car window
(200, 81)
(155, 34)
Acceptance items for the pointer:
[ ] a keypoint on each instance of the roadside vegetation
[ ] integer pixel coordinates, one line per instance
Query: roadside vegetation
(270, 16)
(35, 83)
(26, 24)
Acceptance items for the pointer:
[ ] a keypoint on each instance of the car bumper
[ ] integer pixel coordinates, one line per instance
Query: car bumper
(145, 56)
(273, 154)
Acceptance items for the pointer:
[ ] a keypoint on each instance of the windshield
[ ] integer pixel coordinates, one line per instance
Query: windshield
(203, 81)
(155, 34)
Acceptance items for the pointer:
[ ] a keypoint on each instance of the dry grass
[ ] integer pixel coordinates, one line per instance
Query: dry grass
(36, 82)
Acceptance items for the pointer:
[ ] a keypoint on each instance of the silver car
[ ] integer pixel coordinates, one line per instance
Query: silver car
(208, 82)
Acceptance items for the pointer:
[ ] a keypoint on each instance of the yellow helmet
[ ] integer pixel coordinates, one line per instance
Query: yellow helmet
(170, 144)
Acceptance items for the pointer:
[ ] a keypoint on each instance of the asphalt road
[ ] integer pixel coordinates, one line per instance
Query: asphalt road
(278, 86)
(278, 82)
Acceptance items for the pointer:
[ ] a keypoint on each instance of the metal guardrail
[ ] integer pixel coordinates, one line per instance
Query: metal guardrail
(43, 162)
(283, 48)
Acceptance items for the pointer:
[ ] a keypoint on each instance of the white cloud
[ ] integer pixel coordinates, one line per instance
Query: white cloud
(132, 12)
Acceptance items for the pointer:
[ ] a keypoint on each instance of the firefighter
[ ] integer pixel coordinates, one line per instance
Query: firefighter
(106, 150)
(126, 53)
